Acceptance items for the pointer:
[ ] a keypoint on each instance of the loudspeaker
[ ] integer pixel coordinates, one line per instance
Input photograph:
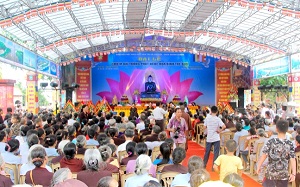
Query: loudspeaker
(233, 105)
(69, 95)
(241, 98)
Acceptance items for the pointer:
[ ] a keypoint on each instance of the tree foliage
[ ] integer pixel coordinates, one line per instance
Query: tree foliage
(276, 80)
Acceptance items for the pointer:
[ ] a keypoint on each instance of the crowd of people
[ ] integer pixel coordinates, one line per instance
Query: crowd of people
(97, 146)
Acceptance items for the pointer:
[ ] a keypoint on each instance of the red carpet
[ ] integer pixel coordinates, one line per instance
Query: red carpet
(196, 149)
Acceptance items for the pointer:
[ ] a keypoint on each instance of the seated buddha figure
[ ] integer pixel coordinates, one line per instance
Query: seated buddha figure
(150, 86)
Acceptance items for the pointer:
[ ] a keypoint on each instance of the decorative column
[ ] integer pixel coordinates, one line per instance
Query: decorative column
(6, 94)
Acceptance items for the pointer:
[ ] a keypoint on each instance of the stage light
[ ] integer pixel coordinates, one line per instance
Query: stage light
(53, 84)
(269, 87)
(285, 87)
(75, 85)
(278, 87)
(262, 87)
(44, 84)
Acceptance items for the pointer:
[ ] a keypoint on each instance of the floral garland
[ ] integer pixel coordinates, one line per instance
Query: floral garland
(232, 93)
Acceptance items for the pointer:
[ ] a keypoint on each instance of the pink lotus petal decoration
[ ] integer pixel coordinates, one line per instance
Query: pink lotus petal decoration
(171, 84)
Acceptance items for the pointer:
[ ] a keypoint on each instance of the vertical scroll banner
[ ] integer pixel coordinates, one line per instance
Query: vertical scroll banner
(83, 78)
(223, 83)
(294, 81)
(256, 94)
(31, 94)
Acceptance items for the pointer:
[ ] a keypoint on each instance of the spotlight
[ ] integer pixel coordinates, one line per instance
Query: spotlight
(262, 87)
(285, 87)
(278, 87)
(269, 87)
(44, 84)
(53, 84)
(75, 85)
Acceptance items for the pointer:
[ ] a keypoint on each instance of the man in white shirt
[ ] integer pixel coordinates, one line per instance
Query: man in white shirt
(129, 135)
(214, 126)
(71, 121)
(141, 125)
(158, 114)
(263, 110)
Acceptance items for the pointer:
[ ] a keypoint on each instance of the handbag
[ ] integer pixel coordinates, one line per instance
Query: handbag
(31, 178)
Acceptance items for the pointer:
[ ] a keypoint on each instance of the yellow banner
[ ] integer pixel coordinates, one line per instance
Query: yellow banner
(31, 97)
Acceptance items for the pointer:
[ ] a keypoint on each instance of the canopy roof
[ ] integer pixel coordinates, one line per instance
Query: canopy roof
(250, 31)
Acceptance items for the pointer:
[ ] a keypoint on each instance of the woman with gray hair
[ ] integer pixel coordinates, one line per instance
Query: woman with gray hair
(94, 165)
(39, 175)
(81, 144)
(63, 178)
(29, 165)
(143, 164)
(107, 182)
(106, 152)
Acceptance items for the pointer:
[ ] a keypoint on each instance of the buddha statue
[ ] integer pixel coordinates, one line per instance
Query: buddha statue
(150, 86)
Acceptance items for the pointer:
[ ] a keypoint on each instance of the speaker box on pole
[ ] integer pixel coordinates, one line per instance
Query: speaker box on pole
(241, 98)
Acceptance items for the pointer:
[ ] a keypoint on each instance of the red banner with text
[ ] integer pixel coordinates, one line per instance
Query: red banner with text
(83, 78)
(223, 84)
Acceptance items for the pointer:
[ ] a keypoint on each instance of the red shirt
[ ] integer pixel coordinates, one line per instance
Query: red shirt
(75, 165)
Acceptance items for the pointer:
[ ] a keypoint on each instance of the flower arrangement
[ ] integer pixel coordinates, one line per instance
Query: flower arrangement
(232, 93)
(164, 92)
(136, 92)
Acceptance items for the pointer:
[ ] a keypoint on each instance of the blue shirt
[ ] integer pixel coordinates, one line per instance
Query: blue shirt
(157, 161)
(92, 142)
(247, 127)
(51, 152)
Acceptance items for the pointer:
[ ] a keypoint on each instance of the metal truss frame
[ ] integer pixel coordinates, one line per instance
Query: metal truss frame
(133, 43)
(212, 19)
(146, 17)
(194, 11)
(163, 19)
(250, 32)
(246, 15)
(53, 26)
(76, 21)
(21, 6)
(72, 32)
(34, 35)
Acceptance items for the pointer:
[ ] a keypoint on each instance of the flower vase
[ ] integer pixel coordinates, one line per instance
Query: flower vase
(136, 98)
(165, 98)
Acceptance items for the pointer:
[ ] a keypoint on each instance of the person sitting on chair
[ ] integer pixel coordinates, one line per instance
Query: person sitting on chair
(150, 86)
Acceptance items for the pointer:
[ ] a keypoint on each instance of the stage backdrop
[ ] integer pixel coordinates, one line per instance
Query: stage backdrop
(174, 74)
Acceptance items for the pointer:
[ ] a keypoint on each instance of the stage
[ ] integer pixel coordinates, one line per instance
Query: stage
(140, 109)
